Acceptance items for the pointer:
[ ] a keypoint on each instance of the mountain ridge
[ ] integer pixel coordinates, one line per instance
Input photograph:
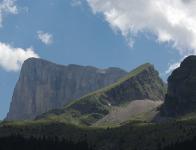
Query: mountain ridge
(177, 133)
(141, 83)
(181, 98)
(44, 85)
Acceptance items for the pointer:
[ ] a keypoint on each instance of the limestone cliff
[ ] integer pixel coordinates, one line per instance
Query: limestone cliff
(43, 86)
(140, 84)
(181, 96)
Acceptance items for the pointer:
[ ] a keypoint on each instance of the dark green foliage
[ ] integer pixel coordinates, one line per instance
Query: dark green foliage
(131, 136)
(183, 145)
(42, 143)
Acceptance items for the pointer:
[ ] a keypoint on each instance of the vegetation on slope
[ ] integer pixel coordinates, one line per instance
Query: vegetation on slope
(42, 143)
(141, 83)
(43, 86)
(131, 136)
(189, 144)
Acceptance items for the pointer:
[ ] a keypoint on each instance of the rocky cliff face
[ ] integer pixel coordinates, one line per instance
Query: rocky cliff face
(181, 96)
(140, 84)
(43, 86)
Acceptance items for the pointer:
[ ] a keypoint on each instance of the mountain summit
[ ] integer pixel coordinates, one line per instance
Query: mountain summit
(143, 83)
(181, 96)
(43, 86)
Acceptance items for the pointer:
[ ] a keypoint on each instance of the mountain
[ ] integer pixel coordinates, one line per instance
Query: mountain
(117, 100)
(181, 95)
(143, 83)
(43, 86)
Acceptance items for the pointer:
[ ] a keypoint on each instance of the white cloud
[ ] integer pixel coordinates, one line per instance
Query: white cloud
(172, 67)
(45, 38)
(12, 58)
(75, 3)
(7, 7)
(171, 21)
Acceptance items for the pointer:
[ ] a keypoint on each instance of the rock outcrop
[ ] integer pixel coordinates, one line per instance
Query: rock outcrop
(43, 86)
(181, 96)
(140, 84)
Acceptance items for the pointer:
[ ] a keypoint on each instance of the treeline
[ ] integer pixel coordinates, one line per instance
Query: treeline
(21, 143)
(185, 145)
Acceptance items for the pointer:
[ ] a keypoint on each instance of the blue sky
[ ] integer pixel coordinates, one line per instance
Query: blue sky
(71, 33)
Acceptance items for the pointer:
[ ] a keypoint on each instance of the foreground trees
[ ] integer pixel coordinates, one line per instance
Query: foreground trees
(18, 142)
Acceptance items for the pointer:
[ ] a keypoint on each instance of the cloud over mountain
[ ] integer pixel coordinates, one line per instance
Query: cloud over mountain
(45, 38)
(171, 21)
(76, 3)
(7, 7)
(12, 58)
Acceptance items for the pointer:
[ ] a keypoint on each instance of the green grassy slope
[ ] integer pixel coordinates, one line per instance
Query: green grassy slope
(141, 83)
(131, 136)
